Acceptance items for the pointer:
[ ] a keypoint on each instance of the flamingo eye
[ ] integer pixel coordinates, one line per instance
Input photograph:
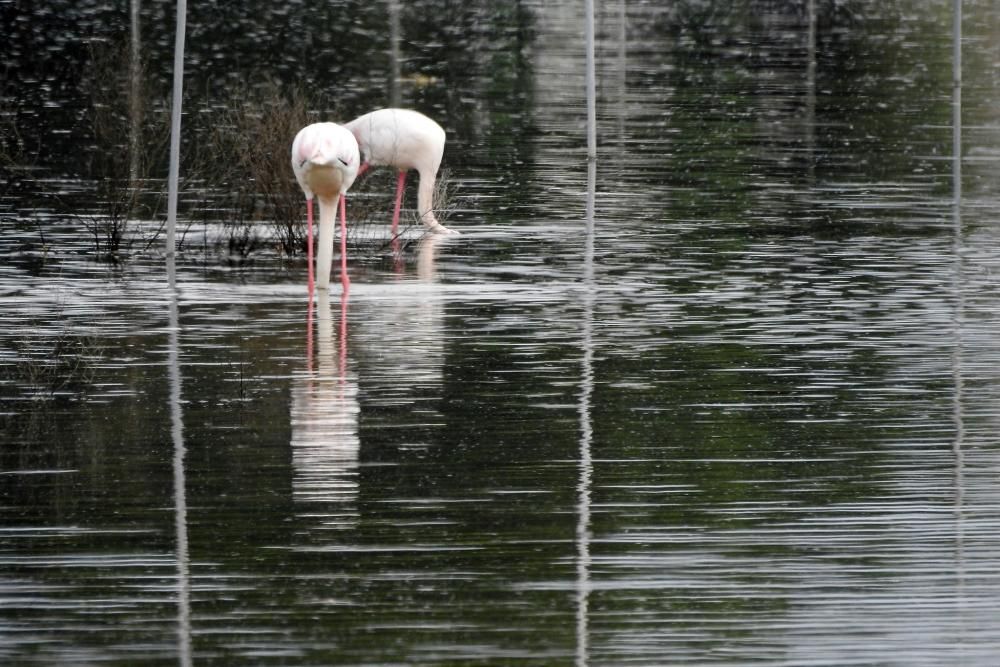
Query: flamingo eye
(343, 161)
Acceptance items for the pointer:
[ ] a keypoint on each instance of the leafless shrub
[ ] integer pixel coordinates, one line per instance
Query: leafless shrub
(372, 201)
(49, 365)
(445, 204)
(245, 165)
(445, 200)
(11, 142)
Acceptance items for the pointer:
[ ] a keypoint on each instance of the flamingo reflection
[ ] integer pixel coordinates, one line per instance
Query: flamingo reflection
(402, 334)
(324, 417)
(399, 339)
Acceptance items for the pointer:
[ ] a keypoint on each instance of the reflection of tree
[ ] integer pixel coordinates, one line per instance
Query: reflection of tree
(485, 48)
(728, 100)
(131, 145)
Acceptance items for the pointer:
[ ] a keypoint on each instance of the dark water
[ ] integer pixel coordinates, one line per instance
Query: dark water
(728, 398)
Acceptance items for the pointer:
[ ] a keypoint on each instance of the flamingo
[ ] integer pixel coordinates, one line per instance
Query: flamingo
(325, 159)
(403, 139)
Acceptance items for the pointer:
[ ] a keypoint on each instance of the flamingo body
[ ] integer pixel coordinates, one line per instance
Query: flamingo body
(404, 139)
(325, 159)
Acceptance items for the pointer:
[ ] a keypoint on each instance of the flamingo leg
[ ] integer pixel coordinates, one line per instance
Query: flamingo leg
(309, 245)
(363, 168)
(344, 279)
(309, 334)
(400, 183)
(343, 341)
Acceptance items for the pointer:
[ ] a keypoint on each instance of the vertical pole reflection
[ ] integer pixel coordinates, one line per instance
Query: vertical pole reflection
(811, 92)
(180, 486)
(586, 466)
(395, 73)
(590, 78)
(135, 103)
(956, 105)
(959, 292)
(622, 73)
(956, 180)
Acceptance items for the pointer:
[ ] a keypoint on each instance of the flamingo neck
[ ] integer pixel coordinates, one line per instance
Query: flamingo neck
(324, 251)
(328, 209)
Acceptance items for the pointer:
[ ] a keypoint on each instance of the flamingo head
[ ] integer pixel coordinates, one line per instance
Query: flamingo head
(326, 144)
(327, 148)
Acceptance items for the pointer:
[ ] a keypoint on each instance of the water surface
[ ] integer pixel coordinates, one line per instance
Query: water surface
(726, 396)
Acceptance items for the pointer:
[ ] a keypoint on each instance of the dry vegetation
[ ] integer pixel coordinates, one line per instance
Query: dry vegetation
(236, 170)
(129, 144)
(54, 364)
(245, 167)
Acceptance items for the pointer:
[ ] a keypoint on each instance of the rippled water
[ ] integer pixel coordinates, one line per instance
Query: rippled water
(728, 398)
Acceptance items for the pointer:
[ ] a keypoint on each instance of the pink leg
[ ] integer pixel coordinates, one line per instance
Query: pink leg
(343, 342)
(309, 334)
(363, 168)
(344, 279)
(400, 183)
(309, 244)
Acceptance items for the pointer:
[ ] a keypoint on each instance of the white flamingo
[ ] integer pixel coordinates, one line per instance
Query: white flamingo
(325, 159)
(403, 139)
